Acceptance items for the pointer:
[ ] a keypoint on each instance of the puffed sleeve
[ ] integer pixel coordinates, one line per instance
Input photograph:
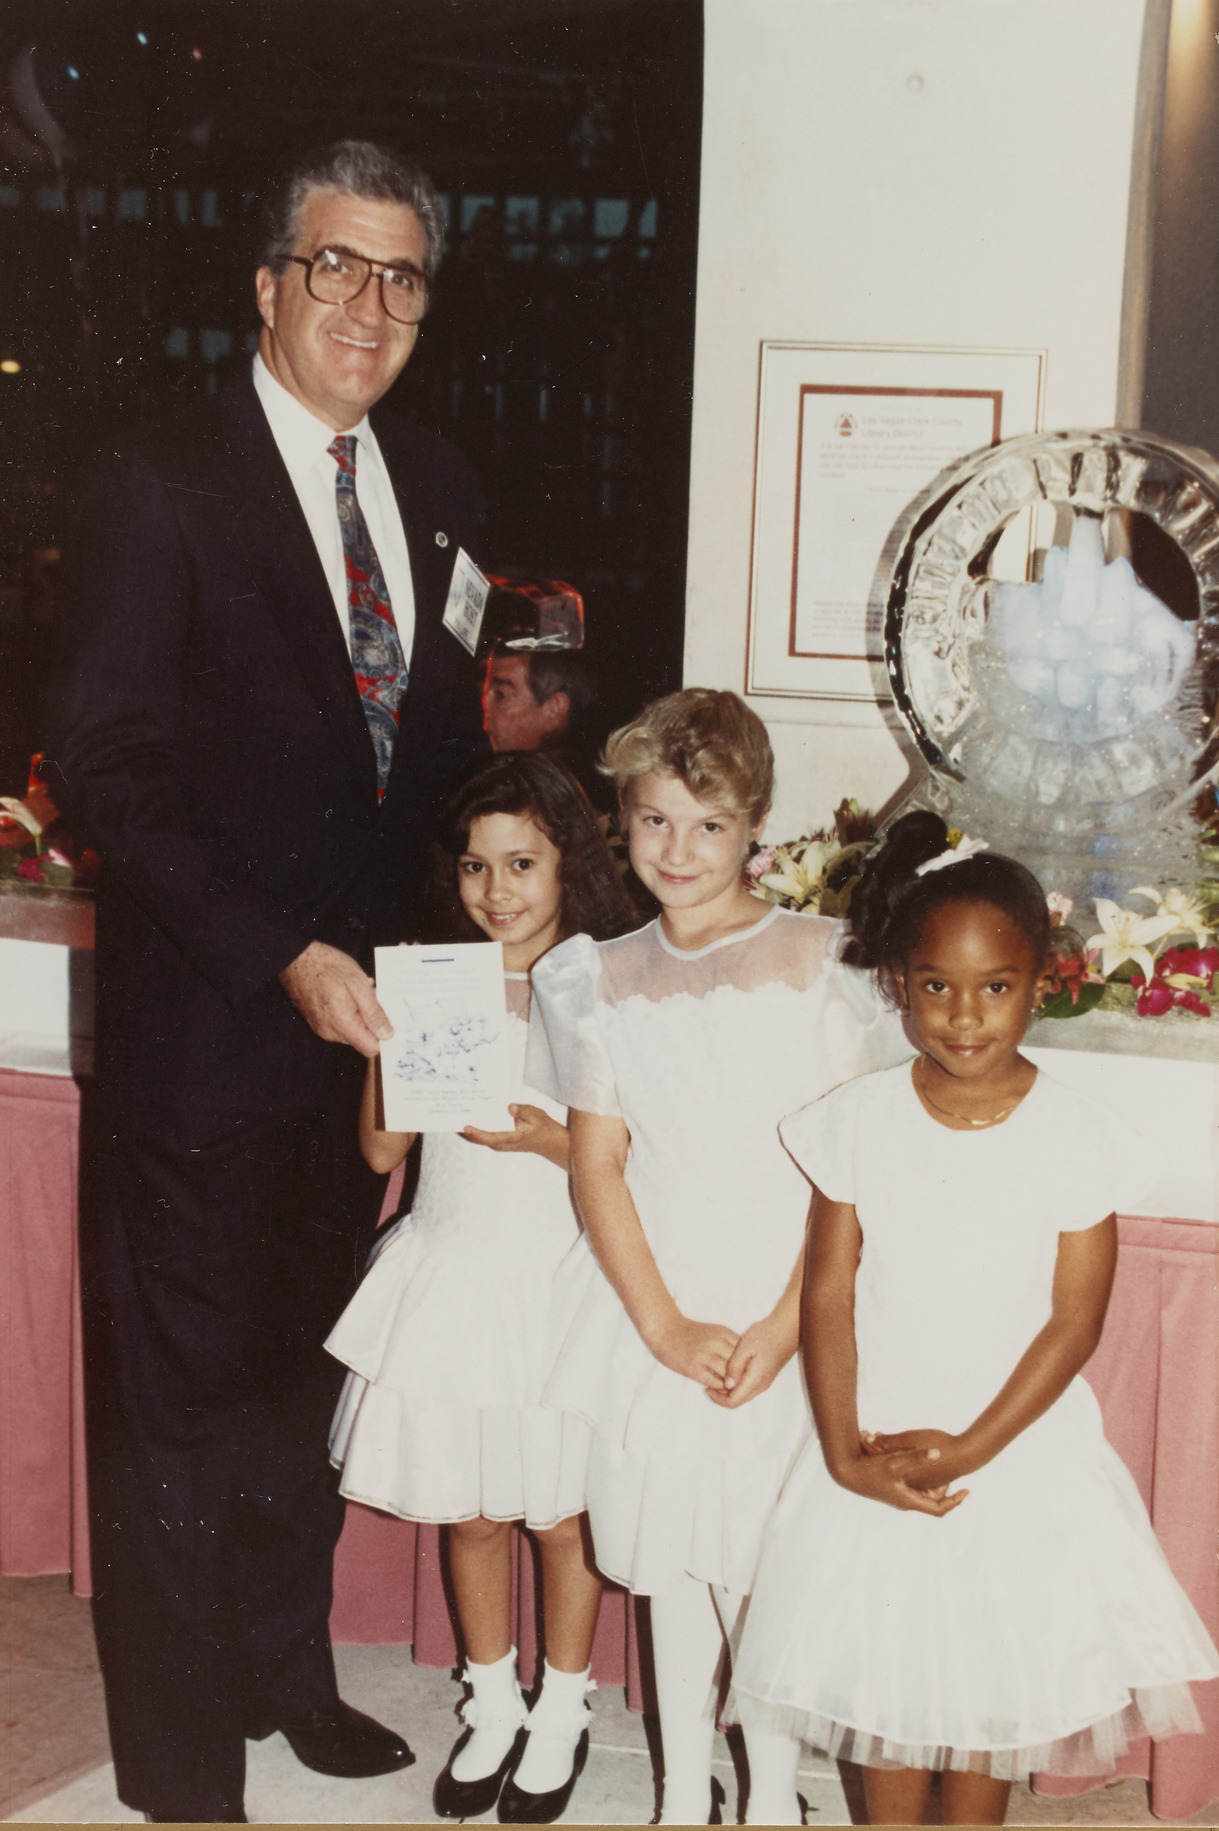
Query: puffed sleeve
(862, 1031)
(567, 1057)
(821, 1138)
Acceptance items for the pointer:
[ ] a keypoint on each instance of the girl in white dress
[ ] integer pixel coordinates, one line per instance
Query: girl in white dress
(962, 1248)
(441, 1416)
(678, 1049)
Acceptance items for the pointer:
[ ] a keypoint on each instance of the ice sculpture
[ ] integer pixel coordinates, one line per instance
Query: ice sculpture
(1067, 720)
(1088, 652)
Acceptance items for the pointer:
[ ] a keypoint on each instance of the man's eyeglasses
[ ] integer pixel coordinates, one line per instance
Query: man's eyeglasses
(335, 276)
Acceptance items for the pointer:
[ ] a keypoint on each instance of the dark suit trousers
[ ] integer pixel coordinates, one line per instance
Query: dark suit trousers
(210, 1278)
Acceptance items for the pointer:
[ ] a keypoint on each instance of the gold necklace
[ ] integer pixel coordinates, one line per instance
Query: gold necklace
(963, 1118)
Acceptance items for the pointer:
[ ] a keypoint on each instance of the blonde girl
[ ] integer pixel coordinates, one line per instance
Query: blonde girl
(678, 1049)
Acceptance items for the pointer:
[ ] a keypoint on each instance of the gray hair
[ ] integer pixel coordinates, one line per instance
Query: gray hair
(361, 169)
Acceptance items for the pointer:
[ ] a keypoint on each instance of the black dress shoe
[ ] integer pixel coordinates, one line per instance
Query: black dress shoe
(517, 1807)
(468, 1798)
(342, 1742)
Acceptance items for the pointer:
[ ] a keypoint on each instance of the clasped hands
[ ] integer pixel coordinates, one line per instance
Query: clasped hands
(909, 1469)
(731, 1368)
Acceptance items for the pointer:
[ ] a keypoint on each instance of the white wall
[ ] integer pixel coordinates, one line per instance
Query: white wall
(950, 172)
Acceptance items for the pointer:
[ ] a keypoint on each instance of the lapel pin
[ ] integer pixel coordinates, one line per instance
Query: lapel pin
(442, 539)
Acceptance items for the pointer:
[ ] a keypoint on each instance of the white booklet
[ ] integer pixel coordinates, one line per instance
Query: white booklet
(444, 1067)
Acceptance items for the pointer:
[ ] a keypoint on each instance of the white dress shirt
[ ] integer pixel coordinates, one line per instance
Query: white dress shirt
(303, 440)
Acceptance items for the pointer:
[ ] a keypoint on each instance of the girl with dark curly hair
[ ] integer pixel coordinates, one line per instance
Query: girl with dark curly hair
(441, 1417)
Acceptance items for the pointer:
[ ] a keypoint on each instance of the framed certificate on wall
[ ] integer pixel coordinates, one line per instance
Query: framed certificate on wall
(851, 437)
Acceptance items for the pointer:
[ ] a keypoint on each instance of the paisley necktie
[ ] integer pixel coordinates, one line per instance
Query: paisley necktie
(376, 648)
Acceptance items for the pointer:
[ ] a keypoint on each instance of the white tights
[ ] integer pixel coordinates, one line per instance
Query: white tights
(692, 1627)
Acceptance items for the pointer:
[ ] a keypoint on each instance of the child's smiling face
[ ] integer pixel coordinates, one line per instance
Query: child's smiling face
(688, 853)
(970, 984)
(510, 881)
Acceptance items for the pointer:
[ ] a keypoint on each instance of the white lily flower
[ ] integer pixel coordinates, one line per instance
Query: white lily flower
(1183, 907)
(795, 877)
(23, 815)
(1127, 936)
(815, 855)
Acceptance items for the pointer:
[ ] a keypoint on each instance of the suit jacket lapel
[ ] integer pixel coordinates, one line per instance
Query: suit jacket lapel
(279, 549)
(431, 541)
(431, 571)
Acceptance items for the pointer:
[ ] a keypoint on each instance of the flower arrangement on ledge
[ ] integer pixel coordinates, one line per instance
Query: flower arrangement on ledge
(1149, 963)
(1129, 965)
(35, 852)
(816, 874)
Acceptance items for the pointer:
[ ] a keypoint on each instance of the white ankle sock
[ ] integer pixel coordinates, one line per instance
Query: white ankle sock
(556, 1723)
(687, 1647)
(494, 1711)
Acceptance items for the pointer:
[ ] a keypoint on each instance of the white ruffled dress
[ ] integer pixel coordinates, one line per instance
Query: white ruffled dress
(701, 1053)
(441, 1416)
(1037, 1626)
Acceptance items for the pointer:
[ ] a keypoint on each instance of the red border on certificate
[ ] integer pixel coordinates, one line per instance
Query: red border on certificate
(994, 395)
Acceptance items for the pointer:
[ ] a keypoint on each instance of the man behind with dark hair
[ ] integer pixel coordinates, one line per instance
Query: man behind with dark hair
(537, 699)
(257, 709)
(547, 699)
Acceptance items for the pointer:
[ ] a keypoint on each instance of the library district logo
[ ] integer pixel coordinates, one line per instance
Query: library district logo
(845, 425)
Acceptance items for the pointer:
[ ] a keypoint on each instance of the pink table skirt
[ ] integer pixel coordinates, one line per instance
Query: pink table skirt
(43, 1511)
(1156, 1374)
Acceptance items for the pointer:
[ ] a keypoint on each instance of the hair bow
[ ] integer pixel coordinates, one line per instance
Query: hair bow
(965, 848)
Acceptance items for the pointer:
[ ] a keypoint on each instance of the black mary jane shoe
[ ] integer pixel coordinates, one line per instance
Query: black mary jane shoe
(517, 1807)
(470, 1798)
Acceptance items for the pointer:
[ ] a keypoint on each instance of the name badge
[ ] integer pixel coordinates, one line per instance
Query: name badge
(466, 602)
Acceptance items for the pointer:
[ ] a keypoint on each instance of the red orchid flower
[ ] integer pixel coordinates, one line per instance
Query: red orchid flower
(1070, 972)
(1180, 977)
(1200, 963)
(1154, 999)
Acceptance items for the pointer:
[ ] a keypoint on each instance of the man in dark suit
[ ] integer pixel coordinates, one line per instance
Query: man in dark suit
(257, 707)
